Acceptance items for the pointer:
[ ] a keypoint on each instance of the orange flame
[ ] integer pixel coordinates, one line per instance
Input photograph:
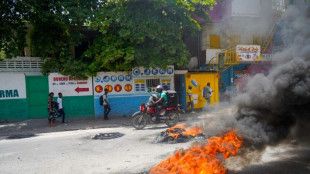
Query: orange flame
(193, 131)
(202, 159)
(190, 132)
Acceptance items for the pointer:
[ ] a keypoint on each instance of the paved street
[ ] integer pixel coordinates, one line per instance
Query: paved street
(71, 148)
(76, 152)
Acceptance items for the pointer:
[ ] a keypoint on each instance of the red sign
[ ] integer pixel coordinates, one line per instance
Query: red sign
(98, 88)
(117, 88)
(78, 90)
(109, 87)
(128, 87)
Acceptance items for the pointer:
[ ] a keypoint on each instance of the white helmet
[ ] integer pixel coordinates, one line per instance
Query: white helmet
(159, 87)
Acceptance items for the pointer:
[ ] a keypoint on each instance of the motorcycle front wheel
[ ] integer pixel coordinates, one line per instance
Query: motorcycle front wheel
(139, 122)
(172, 119)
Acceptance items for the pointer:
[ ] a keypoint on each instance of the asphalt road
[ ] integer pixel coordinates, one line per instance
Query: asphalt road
(131, 152)
(76, 152)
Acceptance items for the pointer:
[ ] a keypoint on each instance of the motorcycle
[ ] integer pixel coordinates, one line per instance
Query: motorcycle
(146, 114)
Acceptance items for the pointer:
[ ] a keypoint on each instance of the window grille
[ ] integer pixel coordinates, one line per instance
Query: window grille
(152, 83)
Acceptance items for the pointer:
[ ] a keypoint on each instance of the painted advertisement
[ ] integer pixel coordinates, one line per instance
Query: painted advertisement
(240, 81)
(140, 71)
(13, 86)
(115, 82)
(140, 85)
(241, 77)
(248, 52)
(69, 86)
(166, 82)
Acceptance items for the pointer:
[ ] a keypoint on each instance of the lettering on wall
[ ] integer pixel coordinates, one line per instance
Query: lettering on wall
(13, 86)
(116, 83)
(69, 86)
(9, 93)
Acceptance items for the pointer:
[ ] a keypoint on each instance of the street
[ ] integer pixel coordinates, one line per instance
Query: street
(130, 152)
(76, 152)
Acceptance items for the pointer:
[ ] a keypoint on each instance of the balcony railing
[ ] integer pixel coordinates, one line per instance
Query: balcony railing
(20, 64)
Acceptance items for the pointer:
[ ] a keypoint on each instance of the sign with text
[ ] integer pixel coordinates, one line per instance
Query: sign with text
(248, 52)
(69, 86)
(115, 82)
(140, 71)
(140, 85)
(13, 86)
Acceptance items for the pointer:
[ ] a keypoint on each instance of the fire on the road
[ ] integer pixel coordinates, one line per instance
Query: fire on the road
(203, 159)
(181, 129)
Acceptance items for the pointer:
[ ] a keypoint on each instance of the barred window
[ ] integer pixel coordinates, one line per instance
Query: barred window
(152, 83)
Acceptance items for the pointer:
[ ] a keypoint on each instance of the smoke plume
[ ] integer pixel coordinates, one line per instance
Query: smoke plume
(280, 101)
(277, 106)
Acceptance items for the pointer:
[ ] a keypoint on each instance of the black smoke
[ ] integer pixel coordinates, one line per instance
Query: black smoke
(280, 102)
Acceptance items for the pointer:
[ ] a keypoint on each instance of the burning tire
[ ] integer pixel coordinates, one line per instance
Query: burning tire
(172, 119)
(139, 121)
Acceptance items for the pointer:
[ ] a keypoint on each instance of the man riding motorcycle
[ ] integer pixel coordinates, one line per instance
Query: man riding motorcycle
(161, 102)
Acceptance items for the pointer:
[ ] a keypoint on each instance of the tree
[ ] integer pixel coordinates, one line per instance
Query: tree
(143, 33)
(12, 30)
(128, 32)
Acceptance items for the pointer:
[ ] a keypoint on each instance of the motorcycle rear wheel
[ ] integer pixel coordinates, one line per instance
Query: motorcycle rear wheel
(172, 119)
(139, 122)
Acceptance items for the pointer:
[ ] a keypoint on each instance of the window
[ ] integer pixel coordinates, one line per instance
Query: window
(215, 42)
(152, 83)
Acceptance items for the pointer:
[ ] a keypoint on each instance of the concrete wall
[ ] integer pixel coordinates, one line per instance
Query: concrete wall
(13, 100)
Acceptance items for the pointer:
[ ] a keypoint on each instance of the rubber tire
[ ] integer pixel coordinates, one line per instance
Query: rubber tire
(177, 115)
(136, 119)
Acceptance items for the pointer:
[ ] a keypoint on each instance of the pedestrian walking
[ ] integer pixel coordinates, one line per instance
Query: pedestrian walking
(191, 98)
(61, 110)
(106, 104)
(207, 93)
(50, 107)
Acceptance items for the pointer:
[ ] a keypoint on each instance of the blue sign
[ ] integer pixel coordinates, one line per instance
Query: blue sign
(161, 71)
(155, 71)
(147, 72)
(136, 71)
(106, 78)
(97, 79)
(170, 70)
(120, 78)
(113, 78)
(128, 78)
(194, 82)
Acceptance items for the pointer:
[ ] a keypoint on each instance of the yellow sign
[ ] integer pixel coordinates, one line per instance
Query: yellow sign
(139, 81)
(166, 81)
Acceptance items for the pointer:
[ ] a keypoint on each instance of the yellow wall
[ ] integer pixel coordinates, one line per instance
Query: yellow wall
(202, 79)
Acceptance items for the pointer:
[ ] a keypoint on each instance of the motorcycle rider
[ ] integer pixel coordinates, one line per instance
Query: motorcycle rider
(161, 102)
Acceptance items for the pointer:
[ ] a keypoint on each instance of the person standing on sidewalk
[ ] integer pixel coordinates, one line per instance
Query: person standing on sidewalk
(50, 107)
(106, 104)
(207, 93)
(191, 99)
(60, 108)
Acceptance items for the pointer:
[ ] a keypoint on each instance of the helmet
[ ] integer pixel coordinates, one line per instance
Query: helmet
(159, 87)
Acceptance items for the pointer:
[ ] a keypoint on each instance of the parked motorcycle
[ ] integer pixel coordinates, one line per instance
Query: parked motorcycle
(169, 115)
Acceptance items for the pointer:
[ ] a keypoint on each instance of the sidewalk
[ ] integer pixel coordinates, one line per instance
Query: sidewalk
(35, 126)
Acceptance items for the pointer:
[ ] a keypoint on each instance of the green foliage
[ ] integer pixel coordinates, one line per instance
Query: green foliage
(12, 30)
(128, 32)
(144, 33)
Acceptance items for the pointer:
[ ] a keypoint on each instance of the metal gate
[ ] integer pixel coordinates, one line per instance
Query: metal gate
(37, 96)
